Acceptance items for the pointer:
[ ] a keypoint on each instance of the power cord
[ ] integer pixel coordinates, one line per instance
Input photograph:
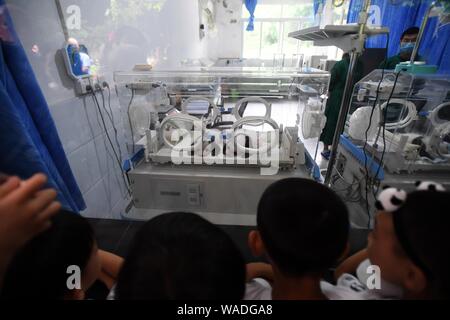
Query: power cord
(106, 85)
(384, 125)
(348, 197)
(91, 89)
(383, 128)
(129, 119)
(367, 138)
(111, 116)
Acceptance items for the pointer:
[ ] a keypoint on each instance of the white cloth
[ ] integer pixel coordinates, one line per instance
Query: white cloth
(260, 289)
(349, 287)
(112, 293)
(85, 60)
(387, 290)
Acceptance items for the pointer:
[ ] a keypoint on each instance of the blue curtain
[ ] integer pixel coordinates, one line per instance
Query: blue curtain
(29, 141)
(435, 45)
(317, 4)
(251, 7)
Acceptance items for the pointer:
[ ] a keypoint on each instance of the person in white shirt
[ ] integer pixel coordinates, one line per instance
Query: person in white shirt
(408, 246)
(302, 230)
(86, 61)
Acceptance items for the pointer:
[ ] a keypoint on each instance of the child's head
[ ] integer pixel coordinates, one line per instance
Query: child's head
(411, 247)
(302, 227)
(181, 256)
(40, 269)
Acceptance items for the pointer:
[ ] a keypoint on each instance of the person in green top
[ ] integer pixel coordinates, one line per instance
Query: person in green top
(407, 43)
(336, 93)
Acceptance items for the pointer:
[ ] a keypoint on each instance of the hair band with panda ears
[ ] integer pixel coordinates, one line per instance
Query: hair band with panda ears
(391, 199)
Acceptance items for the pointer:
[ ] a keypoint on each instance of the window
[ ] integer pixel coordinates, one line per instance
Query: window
(273, 23)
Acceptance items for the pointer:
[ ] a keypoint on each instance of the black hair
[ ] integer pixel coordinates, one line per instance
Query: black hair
(410, 31)
(304, 226)
(181, 256)
(84, 49)
(39, 269)
(421, 226)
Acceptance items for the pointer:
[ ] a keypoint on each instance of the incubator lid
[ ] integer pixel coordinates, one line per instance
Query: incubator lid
(215, 72)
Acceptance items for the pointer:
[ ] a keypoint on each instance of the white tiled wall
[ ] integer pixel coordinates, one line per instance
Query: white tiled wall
(91, 156)
(77, 118)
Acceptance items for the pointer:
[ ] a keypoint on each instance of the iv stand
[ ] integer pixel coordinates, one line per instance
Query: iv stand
(421, 31)
(345, 105)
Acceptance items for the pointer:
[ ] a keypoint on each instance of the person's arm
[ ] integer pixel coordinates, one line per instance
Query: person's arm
(351, 263)
(25, 211)
(111, 265)
(259, 270)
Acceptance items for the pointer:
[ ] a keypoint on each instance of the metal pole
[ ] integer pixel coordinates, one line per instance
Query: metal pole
(62, 20)
(345, 104)
(421, 31)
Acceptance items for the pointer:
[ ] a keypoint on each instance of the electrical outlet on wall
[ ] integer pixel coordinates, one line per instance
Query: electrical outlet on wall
(82, 85)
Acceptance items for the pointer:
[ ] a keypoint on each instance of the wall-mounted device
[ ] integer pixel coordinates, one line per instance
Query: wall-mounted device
(80, 67)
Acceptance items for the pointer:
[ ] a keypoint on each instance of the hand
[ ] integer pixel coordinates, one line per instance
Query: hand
(25, 211)
(259, 270)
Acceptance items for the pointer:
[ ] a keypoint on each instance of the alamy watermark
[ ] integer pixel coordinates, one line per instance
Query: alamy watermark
(73, 20)
(259, 148)
(374, 279)
(73, 281)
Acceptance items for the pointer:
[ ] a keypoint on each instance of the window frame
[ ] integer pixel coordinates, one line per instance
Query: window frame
(281, 21)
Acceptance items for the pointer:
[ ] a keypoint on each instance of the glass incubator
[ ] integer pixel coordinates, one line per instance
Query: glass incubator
(213, 139)
(397, 133)
(403, 120)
